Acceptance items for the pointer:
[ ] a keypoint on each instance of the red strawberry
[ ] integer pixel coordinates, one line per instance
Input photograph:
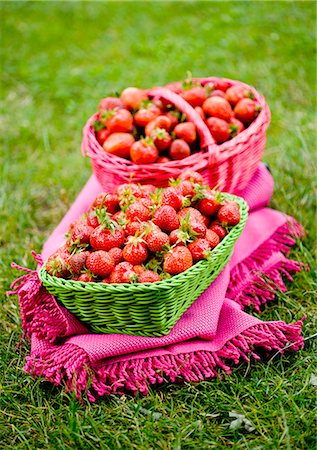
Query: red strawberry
(132, 97)
(217, 93)
(236, 93)
(208, 205)
(187, 188)
(137, 211)
(213, 238)
(105, 239)
(179, 237)
(147, 189)
(197, 229)
(173, 116)
(195, 96)
(194, 215)
(172, 197)
(148, 276)
(109, 201)
(135, 251)
(100, 263)
(108, 103)
(81, 234)
(86, 277)
(246, 110)
(129, 189)
(156, 240)
(161, 138)
(235, 127)
(102, 135)
(200, 249)
(57, 264)
(177, 260)
(134, 227)
(145, 115)
(119, 144)
(166, 218)
(192, 176)
(218, 107)
(138, 269)
(144, 152)
(179, 149)
(221, 84)
(117, 121)
(77, 261)
(218, 229)
(116, 254)
(186, 131)
(163, 160)
(160, 122)
(229, 213)
(122, 273)
(219, 129)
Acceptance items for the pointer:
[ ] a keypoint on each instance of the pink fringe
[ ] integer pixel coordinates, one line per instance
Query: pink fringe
(70, 364)
(254, 281)
(40, 314)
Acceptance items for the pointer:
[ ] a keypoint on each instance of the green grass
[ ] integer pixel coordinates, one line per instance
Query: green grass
(58, 59)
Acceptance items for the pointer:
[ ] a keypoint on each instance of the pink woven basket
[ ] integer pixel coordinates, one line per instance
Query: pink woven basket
(230, 165)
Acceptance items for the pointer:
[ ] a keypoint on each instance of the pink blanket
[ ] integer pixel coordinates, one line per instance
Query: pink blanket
(212, 335)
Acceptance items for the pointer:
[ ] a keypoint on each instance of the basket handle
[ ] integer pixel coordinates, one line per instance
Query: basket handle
(206, 139)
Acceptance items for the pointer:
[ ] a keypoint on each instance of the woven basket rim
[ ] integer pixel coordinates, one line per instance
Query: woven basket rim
(115, 288)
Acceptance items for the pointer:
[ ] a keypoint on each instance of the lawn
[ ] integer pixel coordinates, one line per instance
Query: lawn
(58, 59)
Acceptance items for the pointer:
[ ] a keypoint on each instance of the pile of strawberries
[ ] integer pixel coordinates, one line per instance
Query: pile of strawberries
(145, 234)
(147, 131)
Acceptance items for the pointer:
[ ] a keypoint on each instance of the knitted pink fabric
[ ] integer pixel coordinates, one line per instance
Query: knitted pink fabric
(213, 334)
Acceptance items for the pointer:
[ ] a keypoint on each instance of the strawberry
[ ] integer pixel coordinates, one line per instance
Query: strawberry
(186, 131)
(192, 176)
(229, 213)
(162, 160)
(235, 127)
(218, 229)
(105, 239)
(173, 116)
(177, 260)
(197, 229)
(132, 97)
(159, 122)
(119, 144)
(236, 93)
(100, 263)
(147, 189)
(209, 204)
(102, 135)
(77, 261)
(128, 190)
(86, 277)
(81, 234)
(200, 112)
(195, 96)
(144, 152)
(135, 251)
(122, 273)
(213, 238)
(134, 228)
(217, 93)
(109, 201)
(161, 138)
(199, 249)
(148, 276)
(179, 237)
(57, 264)
(138, 211)
(172, 197)
(145, 115)
(194, 215)
(218, 107)
(108, 103)
(179, 149)
(246, 110)
(117, 121)
(187, 188)
(219, 129)
(156, 240)
(166, 218)
(221, 84)
(116, 254)
(138, 269)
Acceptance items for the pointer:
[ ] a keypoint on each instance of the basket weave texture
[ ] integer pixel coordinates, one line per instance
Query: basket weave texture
(145, 309)
(229, 165)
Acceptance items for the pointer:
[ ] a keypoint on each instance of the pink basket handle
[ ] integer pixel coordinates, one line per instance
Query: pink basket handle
(206, 139)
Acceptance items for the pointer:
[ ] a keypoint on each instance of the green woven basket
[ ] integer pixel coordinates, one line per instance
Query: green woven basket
(145, 309)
